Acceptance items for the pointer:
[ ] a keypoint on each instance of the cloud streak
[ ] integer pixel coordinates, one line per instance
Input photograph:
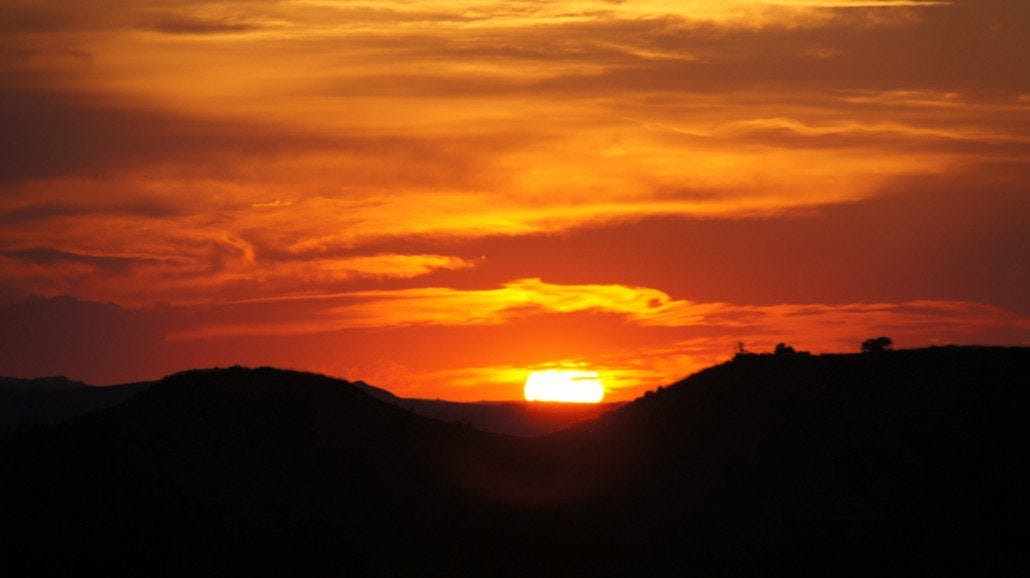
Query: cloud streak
(215, 272)
(825, 323)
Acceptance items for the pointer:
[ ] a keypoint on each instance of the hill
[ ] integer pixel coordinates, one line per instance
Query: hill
(907, 461)
(208, 466)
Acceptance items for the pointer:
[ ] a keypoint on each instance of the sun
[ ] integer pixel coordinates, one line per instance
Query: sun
(564, 385)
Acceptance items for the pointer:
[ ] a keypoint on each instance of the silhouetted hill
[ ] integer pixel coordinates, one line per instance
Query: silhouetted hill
(906, 459)
(212, 464)
(883, 463)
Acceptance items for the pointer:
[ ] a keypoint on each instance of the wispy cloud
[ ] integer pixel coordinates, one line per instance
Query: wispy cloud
(205, 275)
(194, 25)
(822, 323)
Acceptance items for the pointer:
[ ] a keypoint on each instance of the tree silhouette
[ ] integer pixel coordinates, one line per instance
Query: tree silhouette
(784, 349)
(877, 344)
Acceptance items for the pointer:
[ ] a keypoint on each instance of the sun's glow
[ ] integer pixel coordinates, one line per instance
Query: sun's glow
(564, 385)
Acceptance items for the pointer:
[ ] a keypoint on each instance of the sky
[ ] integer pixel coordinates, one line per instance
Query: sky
(440, 197)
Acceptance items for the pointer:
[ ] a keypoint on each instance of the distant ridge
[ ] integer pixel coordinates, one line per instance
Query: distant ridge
(54, 383)
(26, 403)
(520, 418)
(51, 400)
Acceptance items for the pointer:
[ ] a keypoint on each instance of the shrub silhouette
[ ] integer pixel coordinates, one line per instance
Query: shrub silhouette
(877, 344)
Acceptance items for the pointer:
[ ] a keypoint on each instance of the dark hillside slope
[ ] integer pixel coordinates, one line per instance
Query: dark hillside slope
(234, 466)
(872, 461)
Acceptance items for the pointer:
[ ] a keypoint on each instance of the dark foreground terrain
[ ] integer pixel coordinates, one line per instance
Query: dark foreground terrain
(908, 462)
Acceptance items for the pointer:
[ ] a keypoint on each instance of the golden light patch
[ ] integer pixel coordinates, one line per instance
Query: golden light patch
(567, 385)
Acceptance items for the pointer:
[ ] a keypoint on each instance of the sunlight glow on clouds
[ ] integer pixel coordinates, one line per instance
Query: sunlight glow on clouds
(641, 305)
(336, 166)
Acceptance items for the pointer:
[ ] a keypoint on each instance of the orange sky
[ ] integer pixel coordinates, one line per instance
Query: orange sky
(438, 197)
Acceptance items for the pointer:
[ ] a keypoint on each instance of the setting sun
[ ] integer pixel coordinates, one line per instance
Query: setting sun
(564, 385)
